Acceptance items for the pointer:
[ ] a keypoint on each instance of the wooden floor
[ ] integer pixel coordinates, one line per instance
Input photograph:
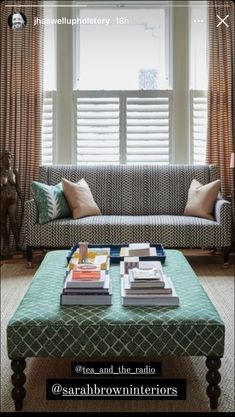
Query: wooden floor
(205, 256)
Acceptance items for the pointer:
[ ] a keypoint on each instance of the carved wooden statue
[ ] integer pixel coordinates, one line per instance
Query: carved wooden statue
(8, 206)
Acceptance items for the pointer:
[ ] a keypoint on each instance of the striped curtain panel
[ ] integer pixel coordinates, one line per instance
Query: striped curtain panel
(21, 64)
(221, 89)
(21, 91)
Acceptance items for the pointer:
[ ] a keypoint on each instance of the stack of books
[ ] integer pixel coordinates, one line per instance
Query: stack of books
(147, 285)
(88, 283)
(138, 249)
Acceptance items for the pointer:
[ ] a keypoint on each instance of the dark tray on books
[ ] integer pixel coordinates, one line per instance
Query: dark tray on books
(115, 253)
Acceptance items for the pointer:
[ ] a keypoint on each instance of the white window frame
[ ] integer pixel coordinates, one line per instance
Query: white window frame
(52, 94)
(130, 5)
(195, 93)
(123, 94)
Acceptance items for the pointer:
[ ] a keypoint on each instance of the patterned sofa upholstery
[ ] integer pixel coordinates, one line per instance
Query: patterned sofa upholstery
(139, 203)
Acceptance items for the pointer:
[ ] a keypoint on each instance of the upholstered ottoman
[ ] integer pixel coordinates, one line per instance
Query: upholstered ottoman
(40, 327)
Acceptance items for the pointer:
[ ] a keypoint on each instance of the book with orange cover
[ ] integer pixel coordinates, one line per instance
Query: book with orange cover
(84, 282)
(86, 275)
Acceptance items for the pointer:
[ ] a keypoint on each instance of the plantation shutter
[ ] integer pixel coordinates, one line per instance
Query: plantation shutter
(198, 126)
(148, 130)
(122, 127)
(97, 130)
(48, 128)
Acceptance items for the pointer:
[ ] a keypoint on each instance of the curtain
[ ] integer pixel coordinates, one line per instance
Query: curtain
(21, 64)
(221, 90)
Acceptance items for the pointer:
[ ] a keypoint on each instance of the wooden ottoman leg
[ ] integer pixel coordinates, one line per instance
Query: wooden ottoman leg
(213, 377)
(29, 255)
(18, 379)
(226, 256)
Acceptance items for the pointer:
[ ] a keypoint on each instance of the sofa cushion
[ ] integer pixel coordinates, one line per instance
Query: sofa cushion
(50, 201)
(201, 199)
(171, 231)
(80, 199)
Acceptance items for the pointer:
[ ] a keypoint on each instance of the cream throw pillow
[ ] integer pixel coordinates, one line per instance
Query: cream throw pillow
(80, 199)
(201, 199)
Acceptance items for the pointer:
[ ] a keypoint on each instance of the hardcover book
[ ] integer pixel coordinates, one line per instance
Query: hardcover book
(94, 300)
(146, 288)
(139, 249)
(88, 298)
(92, 283)
(89, 288)
(83, 275)
(147, 300)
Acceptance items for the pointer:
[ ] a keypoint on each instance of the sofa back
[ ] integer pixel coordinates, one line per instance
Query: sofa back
(134, 189)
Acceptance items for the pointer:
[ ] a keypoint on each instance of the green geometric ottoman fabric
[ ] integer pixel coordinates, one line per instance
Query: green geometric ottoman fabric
(42, 327)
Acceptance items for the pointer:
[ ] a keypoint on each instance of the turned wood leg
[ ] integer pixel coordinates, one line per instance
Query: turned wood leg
(29, 255)
(226, 256)
(213, 377)
(18, 379)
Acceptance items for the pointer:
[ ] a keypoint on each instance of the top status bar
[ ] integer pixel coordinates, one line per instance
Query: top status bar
(119, 6)
(122, 4)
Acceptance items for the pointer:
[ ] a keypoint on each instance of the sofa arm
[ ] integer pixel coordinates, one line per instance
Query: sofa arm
(223, 213)
(29, 220)
(30, 212)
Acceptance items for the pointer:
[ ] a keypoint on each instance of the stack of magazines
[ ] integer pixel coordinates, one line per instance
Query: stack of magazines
(87, 284)
(147, 285)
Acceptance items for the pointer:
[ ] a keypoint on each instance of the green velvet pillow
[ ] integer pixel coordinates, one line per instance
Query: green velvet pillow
(50, 202)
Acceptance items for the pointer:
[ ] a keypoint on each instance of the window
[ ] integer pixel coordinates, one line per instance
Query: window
(198, 83)
(118, 62)
(128, 51)
(123, 127)
(122, 98)
(49, 87)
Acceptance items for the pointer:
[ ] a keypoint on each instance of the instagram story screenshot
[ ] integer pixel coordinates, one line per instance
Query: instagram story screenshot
(117, 206)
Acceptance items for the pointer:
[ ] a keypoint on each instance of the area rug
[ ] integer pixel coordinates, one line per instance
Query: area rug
(219, 285)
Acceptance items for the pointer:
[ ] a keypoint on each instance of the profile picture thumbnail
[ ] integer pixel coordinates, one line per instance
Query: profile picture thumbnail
(17, 20)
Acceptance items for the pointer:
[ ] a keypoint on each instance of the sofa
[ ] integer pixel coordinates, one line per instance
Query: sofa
(139, 203)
